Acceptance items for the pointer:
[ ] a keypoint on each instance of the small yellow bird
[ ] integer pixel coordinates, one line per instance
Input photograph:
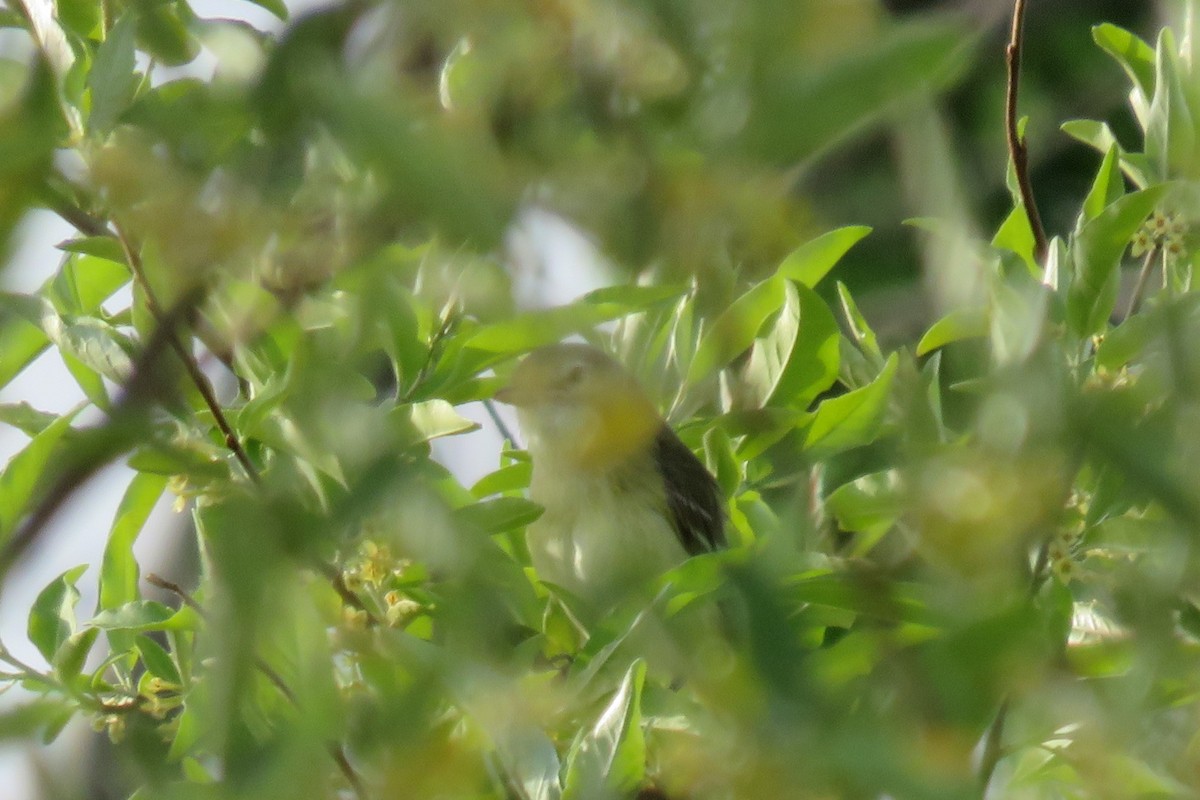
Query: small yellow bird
(625, 500)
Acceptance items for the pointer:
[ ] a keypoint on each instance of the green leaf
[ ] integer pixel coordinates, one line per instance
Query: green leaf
(430, 419)
(29, 721)
(613, 753)
(94, 343)
(798, 358)
(1170, 125)
(734, 331)
(963, 323)
(81, 17)
(113, 78)
(52, 617)
(276, 7)
(1016, 235)
(513, 477)
(26, 418)
(498, 515)
(49, 35)
(863, 335)
(852, 420)
(119, 569)
(810, 262)
(800, 112)
(163, 32)
(536, 328)
(137, 615)
(1096, 253)
(1106, 189)
(869, 505)
(1134, 55)
(102, 247)
(532, 762)
(903, 601)
(1100, 136)
(71, 657)
(21, 340)
(22, 476)
(157, 660)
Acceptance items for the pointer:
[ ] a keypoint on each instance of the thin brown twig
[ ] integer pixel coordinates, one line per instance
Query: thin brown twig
(203, 385)
(1017, 149)
(336, 751)
(1139, 288)
(334, 576)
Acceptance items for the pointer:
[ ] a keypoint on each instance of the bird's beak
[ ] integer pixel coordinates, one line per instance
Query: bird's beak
(511, 395)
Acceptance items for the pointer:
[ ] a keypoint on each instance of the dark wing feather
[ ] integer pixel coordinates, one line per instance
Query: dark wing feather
(693, 496)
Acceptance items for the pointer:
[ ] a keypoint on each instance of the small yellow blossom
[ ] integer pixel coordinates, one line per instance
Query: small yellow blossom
(1065, 570)
(400, 610)
(1142, 243)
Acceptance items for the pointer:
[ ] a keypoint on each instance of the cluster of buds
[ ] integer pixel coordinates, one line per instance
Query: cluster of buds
(374, 565)
(1060, 555)
(159, 697)
(1165, 231)
(111, 724)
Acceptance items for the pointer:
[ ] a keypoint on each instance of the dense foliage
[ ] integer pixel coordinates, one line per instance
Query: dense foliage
(961, 566)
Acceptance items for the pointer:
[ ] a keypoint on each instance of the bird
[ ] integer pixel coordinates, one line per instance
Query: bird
(624, 499)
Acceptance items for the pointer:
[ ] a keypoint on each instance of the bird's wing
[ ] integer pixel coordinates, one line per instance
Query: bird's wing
(693, 496)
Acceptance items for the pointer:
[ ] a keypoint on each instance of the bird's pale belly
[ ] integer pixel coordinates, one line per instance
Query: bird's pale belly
(600, 546)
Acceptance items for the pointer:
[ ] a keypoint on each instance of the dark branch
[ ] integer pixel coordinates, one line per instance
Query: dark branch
(1017, 149)
(203, 385)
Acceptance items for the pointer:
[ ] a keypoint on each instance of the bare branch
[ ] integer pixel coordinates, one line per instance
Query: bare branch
(1017, 149)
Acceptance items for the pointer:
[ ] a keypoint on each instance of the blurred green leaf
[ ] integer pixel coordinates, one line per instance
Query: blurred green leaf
(861, 330)
(611, 757)
(956, 326)
(26, 418)
(1170, 124)
(506, 479)
(427, 420)
(71, 656)
(1134, 55)
(84, 282)
(52, 617)
(810, 262)
(798, 358)
(537, 328)
(23, 474)
(852, 420)
(734, 331)
(112, 78)
(498, 515)
(1108, 187)
(901, 63)
(136, 615)
(1016, 235)
(162, 31)
(119, 569)
(157, 660)
(1101, 137)
(869, 505)
(1096, 253)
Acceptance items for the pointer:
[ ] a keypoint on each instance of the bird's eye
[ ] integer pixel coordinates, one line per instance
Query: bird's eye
(575, 375)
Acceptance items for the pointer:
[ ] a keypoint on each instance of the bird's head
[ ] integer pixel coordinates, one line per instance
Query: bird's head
(579, 405)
